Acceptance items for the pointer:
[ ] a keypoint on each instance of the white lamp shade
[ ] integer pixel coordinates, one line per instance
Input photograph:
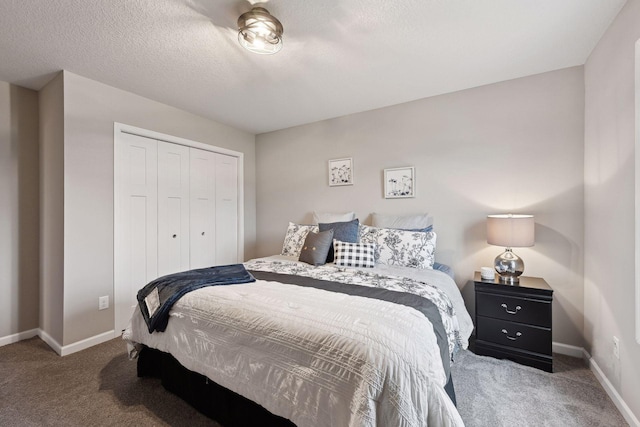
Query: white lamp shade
(511, 231)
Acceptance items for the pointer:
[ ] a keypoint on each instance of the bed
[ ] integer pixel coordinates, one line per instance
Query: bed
(314, 345)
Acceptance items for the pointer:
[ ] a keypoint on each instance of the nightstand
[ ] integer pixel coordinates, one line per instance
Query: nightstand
(513, 321)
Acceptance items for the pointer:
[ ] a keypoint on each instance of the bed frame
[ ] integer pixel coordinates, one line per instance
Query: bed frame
(219, 403)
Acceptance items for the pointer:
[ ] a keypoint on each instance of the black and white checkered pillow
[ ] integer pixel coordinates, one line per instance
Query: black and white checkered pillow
(354, 254)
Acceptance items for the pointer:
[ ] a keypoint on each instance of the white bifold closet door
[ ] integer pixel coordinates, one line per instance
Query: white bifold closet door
(226, 209)
(173, 208)
(136, 237)
(176, 210)
(203, 208)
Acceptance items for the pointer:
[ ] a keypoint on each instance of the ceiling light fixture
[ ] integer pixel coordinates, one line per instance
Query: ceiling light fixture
(260, 32)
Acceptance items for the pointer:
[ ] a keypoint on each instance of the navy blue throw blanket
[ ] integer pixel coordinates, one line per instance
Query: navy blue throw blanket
(157, 298)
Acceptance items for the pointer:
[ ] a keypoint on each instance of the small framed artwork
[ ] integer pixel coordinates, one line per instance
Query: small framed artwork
(399, 183)
(341, 172)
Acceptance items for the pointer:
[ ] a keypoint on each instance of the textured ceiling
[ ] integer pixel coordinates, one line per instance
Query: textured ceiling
(339, 56)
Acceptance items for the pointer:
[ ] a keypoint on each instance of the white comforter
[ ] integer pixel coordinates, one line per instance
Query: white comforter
(315, 357)
(435, 278)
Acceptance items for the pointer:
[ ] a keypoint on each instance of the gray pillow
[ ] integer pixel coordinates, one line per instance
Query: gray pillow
(316, 247)
(402, 222)
(343, 231)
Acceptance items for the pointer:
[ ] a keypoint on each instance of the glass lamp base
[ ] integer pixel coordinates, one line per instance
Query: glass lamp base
(509, 266)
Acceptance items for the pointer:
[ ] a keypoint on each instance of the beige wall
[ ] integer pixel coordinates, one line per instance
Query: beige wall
(19, 259)
(51, 104)
(515, 146)
(90, 109)
(609, 204)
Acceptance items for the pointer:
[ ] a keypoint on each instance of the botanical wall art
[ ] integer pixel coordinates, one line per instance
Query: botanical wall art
(399, 183)
(341, 172)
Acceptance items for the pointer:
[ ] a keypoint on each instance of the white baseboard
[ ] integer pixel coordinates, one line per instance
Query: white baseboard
(613, 394)
(568, 350)
(86, 343)
(573, 351)
(24, 335)
(55, 346)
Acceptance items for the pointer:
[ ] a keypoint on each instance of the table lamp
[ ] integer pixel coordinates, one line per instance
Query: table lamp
(510, 231)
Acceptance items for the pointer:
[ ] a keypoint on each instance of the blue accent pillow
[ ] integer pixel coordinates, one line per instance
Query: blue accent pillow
(343, 231)
(444, 268)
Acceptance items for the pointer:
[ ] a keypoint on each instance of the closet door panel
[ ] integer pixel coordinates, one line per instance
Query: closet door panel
(173, 208)
(136, 222)
(203, 208)
(141, 246)
(226, 209)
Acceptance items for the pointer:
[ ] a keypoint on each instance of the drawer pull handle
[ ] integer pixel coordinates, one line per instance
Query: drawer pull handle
(518, 335)
(518, 308)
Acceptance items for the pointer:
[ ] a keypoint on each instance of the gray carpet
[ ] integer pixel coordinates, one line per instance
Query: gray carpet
(94, 387)
(494, 392)
(99, 387)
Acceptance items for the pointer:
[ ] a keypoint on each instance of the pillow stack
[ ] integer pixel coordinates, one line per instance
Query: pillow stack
(407, 241)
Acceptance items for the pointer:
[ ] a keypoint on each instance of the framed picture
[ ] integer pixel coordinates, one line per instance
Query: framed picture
(399, 183)
(341, 172)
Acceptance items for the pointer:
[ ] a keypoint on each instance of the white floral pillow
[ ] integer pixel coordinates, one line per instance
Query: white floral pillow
(402, 248)
(294, 239)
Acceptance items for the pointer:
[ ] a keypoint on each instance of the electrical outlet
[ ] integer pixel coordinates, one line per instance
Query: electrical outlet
(616, 347)
(103, 302)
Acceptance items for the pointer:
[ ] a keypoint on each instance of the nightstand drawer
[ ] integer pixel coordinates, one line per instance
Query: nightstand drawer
(516, 335)
(522, 310)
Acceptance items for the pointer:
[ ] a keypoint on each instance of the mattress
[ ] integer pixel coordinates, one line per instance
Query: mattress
(319, 357)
